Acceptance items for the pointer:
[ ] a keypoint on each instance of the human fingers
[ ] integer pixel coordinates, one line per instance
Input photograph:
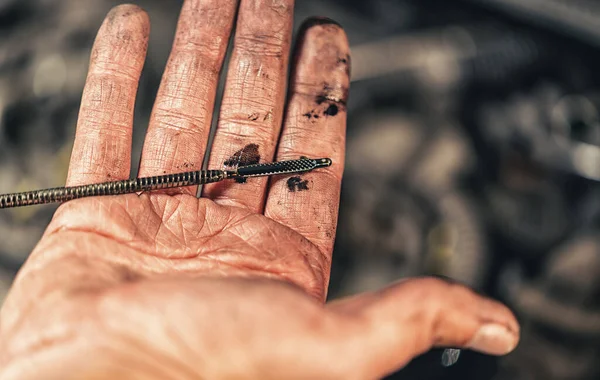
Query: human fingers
(180, 122)
(315, 126)
(254, 97)
(102, 147)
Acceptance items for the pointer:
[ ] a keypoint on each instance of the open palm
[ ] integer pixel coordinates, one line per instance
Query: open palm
(230, 285)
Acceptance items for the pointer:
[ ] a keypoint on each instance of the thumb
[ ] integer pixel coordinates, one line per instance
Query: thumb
(396, 324)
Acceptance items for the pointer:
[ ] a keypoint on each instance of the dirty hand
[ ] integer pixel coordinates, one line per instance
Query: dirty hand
(168, 286)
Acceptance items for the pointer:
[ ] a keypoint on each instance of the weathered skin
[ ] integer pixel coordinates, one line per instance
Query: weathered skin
(165, 285)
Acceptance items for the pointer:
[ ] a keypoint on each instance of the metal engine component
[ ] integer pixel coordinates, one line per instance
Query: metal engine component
(411, 220)
(562, 308)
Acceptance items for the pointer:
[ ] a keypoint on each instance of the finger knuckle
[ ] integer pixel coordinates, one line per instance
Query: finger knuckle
(113, 71)
(178, 121)
(201, 55)
(126, 9)
(260, 44)
(244, 125)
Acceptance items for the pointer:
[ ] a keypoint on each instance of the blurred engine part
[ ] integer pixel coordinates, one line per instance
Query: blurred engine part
(562, 307)
(447, 54)
(579, 18)
(396, 233)
(537, 146)
(551, 127)
(403, 213)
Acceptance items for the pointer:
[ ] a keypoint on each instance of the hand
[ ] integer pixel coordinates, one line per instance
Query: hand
(168, 286)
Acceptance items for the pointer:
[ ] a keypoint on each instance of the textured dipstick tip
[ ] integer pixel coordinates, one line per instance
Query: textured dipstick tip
(324, 162)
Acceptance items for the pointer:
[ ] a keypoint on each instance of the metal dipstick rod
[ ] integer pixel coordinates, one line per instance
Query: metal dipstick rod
(200, 177)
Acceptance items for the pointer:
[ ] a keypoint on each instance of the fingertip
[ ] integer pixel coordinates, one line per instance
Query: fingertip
(325, 30)
(123, 37)
(325, 27)
(129, 20)
(322, 62)
(318, 20)
(125, 11)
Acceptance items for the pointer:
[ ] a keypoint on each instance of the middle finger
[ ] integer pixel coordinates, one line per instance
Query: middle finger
(254, 98)
(182, 113)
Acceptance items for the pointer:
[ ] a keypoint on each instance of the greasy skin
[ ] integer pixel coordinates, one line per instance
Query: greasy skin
(233, 285)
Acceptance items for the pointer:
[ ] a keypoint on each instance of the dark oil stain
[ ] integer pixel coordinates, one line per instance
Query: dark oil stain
(344, 60)
(331, 96)
(248, 155)
(325, 95)
(253, 116)
(185, 165)
(311, 115)
(128, 13)
(297, 184)
(332, 110)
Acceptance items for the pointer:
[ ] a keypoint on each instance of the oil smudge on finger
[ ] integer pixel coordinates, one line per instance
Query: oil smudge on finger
(248, 155)
(297, 184)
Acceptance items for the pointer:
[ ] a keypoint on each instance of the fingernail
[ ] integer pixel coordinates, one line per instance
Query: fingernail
(493, 339)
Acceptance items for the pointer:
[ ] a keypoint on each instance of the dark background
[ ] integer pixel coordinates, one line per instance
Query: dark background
(473, 153)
